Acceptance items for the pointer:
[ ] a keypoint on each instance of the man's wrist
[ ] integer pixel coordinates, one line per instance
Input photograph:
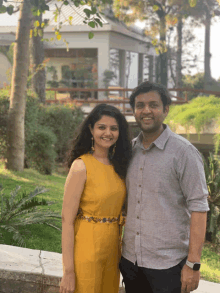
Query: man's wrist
(195, 266)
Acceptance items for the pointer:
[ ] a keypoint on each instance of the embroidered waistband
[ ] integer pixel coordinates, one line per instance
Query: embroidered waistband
(81, 216)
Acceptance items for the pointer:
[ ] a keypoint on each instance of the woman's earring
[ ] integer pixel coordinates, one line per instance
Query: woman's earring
(92, 147)
(113, 150)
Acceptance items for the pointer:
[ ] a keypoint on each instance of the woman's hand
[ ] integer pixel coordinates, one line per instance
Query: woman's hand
(67, 284)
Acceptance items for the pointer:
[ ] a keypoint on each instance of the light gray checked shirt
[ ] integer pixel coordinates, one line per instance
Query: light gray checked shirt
(165, 183)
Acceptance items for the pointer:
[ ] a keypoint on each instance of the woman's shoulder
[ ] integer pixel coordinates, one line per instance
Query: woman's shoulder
(78, 165)
(85, 157)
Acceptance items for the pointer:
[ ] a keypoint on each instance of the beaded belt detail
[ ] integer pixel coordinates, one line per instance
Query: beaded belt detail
(96, 219)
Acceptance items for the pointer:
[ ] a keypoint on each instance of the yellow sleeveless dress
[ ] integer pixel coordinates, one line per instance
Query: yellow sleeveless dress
(96, 245)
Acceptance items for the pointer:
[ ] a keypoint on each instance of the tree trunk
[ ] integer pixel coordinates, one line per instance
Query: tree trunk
(207, 69)
(163, 54)
(179, 55)
(37, 58)
(15, 129)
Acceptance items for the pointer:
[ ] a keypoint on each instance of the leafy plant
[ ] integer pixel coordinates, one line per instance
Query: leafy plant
(21, 210)
(212, 173)
(195, 81)
(63, 122)
(201, 112)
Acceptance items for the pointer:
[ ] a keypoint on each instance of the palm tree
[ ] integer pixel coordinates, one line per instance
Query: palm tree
(21, 210)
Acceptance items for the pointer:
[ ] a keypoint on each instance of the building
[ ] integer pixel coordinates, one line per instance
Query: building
(124, 50)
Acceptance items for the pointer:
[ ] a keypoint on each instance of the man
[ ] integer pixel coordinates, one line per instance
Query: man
(167, 202)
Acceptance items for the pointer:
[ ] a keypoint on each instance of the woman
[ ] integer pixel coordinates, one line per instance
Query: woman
(93, 197)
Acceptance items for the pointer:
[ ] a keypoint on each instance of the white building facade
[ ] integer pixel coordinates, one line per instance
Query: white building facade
(114, 47)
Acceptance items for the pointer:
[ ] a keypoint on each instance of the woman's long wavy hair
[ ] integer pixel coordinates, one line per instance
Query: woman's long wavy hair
(83, 141)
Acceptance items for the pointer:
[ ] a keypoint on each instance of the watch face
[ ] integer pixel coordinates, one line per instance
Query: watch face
(196, 267)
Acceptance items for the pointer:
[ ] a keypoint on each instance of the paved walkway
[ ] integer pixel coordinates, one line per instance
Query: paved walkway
(204, 287)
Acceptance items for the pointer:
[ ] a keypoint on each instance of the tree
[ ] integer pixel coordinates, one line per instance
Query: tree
(210, 8)
(37, 59)
(15, 131)
(158, 16)
(205, 10)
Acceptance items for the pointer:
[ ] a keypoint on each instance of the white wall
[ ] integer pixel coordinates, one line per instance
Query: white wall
(81, 40)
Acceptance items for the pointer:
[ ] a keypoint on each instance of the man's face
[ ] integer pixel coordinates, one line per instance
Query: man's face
(149, 112)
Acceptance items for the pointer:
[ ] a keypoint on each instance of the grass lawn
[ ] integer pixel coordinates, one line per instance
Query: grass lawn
(46, 238)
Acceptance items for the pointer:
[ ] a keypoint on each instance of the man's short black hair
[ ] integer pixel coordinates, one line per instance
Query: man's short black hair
(148, 86)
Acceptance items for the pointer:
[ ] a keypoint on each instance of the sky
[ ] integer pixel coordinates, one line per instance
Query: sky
(6, 20)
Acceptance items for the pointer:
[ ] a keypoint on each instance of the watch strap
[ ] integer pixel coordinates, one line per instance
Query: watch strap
(193, 265)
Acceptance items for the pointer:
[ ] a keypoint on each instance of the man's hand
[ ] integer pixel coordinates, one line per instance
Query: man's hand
(189, 279)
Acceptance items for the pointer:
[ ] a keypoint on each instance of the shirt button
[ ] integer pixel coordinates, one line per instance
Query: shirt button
(137, 233)
(138, 201)
(139, 185)
(141, 168)
(137, 217)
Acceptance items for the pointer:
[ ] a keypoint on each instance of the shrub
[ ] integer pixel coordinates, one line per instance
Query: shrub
(200, 112)
(47, 131)
(40, 153)
(39, 140)
(62, 121)
(21, 210)
(212, 173)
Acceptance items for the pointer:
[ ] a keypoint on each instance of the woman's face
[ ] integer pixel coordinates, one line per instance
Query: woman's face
(105, 132)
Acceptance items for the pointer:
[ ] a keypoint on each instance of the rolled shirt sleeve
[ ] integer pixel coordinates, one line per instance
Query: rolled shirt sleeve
(192, 179)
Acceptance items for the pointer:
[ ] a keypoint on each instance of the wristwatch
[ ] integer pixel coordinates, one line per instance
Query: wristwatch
(195, 266)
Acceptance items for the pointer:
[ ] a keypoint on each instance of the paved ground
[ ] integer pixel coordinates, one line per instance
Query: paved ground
(204, 287)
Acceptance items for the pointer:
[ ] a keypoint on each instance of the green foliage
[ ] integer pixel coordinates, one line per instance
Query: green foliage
(48, 130)
(200, 112)
(62, 121)
(38, 236)
(210, 269)
(21, 210)
(4, 106)
(39, 140)
(217, 142)
(40, 152)
(212, 173)
(195, 81)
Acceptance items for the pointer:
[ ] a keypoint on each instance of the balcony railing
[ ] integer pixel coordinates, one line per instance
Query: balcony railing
(119, 100)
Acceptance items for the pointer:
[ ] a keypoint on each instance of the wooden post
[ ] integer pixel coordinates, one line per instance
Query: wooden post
(186, 100)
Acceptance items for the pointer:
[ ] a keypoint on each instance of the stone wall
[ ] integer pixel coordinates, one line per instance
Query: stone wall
(24, 270)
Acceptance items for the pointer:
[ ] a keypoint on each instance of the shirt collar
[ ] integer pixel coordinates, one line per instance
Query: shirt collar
(159, 142)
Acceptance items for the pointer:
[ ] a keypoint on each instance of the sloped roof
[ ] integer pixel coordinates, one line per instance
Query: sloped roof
(109, 23)
(77, 14)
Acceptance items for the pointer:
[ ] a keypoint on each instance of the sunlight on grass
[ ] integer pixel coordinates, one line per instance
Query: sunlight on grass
(210, 269)
(208, 273)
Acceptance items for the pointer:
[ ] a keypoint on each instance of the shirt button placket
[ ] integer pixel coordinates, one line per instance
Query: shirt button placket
(138, 210)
